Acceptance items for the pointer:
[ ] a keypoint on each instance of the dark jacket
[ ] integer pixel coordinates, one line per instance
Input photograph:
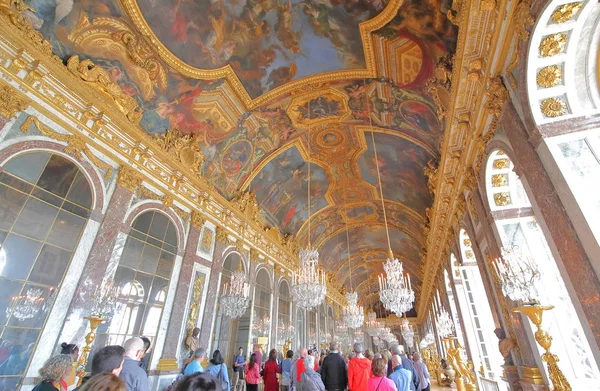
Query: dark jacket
(407, 364)
(334, 372)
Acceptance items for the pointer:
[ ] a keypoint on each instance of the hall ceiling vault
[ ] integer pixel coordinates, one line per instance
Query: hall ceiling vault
(246, 95)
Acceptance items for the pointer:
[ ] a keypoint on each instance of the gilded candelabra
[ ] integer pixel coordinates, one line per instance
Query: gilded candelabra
(465, 379)
(95, 321)
(535, 313)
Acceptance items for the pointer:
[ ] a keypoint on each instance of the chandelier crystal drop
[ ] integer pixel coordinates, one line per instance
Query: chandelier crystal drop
(235, 296)
(353, 313)
(407, 333)
(372, 325)
(27, 306)
(395, 290)
(308, 283)
(519, 275)
(445, 325)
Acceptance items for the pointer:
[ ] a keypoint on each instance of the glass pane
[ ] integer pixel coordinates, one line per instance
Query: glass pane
(47, 197)
(32, 306)
(15, 183)
(58, 176)
(149, 259)
(22, 340)
(28, 166)
(36, 219)
(132, 253)
(165, 264)
(50, 266)
(8, 290)
(80, 192)
(20, 255)
(159, 286)
(11, 202)
(66, 230)
(159, 225)
(171, 237)
(142, 222)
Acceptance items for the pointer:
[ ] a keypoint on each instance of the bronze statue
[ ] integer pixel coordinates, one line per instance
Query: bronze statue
(505, 345)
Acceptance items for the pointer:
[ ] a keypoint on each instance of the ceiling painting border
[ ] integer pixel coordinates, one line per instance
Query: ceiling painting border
(132, 9)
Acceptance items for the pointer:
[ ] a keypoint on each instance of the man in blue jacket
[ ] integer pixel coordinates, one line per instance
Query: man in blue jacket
(407, 364)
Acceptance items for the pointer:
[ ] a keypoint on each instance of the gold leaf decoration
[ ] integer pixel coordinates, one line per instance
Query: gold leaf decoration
(183, 146)
(553, 107)
(499, 180)
(11, 103)
(129, 178)
(502, 199)
(247, 204)
(566, 12)
(87, 71)
(553, 44)
(549, 76)
(198, 219)
(500, 164)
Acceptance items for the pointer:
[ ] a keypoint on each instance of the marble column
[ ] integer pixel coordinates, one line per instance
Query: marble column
(168, 360)
(108, 245)
(567, 247)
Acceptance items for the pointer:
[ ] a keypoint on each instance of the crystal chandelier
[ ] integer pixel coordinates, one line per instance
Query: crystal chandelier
(235, 295)
(353, 313)
(104, 299)
(372, 325)
(445, 326)
(407, 333)
(395, 290)
(518, 275)
(308, 284)
(27, 306)
(287, 333)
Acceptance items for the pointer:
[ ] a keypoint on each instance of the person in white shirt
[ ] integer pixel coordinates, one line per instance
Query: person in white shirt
(422, 372)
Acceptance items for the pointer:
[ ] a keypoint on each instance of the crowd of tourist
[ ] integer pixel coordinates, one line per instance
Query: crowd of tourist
(124, 368)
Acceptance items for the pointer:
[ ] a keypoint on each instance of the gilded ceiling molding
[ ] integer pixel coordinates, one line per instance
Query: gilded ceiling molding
(182, 146)
(366, 28)
(198, 219)
(10, 103)
(106, 128)
(129, 178)
(460, 142)
(523, 20)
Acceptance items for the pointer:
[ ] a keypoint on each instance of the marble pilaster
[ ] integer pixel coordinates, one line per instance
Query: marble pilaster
(206, 328)
(567, 246)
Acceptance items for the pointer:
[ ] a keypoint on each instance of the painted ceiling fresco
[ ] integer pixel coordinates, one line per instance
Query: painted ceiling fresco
(267, 43)
(285, 104)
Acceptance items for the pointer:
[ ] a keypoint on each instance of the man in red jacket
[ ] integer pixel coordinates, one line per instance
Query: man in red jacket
(359, 370)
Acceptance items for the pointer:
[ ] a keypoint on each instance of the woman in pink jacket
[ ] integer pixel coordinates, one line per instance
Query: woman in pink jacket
(252, 374)
(379, 382)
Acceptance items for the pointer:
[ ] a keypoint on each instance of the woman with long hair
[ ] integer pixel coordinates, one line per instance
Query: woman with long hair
(218, 369)
(53, 373)
(270, 372)
(252, 373)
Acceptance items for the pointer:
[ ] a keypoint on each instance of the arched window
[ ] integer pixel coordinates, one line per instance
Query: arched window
(453, 309)
(261, 323)
(45, 203)
(284, 312)
(475, 308)
(144, 272)
(517, 226)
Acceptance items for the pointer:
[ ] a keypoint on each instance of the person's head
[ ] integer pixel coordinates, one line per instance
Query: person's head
(199, 354)
(309, 362)
(217, 357)
(396, 349)
(134, 348)
(289, 354)
(105, 381)
(500, 334)
(396, 361)
(369, 354)
(147, 344)
(351, 355)
(377, 355)
(71, 349)
(303, 352)
(240, 350)
(333, 346)
(379, 367)
(108, 359)
(416, 356)
(199, 382)
(273, 355)
(252, 360)
(56, 368)
(386, 354)
(196, 332)
(358, 348)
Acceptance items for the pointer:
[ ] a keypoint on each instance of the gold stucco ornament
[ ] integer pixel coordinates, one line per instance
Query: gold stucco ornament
(553, 44)
(553, 107)
(535, 313)
(566, 12)
(549, 76)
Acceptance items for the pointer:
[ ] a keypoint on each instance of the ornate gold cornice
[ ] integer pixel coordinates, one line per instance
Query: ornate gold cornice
(10, 103)
(366, 28)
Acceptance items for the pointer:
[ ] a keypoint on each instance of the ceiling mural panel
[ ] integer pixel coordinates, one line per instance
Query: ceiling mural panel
(281, 190)
(260, 141)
